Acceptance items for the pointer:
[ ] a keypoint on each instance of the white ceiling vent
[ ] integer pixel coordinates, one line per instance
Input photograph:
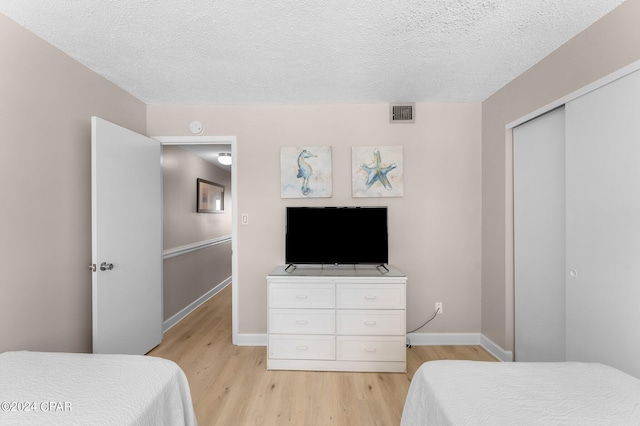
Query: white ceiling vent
(402, 112)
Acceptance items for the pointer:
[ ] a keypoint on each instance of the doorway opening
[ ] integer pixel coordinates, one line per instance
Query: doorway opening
(200, 144)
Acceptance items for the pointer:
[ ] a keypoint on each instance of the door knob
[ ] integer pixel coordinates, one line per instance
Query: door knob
(104, 266)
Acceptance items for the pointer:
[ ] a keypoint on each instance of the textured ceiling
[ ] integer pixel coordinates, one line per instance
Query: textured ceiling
(307, 51)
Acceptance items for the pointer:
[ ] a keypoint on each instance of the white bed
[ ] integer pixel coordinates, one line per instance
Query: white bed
(38, 388)
(494, 393)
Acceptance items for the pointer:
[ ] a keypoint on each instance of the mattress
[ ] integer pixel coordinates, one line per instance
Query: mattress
(39, 388)
(493, 393)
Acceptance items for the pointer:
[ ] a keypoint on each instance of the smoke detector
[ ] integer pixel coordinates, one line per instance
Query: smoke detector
(402, 112)
(196, 127)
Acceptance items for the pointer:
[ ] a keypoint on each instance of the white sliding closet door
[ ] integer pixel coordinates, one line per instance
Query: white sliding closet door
(539, 238)
(603, 225)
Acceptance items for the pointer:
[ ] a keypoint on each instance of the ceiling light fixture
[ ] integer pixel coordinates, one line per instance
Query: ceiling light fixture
(224, 158)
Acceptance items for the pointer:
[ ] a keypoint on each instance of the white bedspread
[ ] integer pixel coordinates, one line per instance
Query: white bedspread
(82, 389)
(493, 393)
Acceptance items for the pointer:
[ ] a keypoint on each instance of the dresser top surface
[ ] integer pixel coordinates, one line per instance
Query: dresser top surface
(335, 271)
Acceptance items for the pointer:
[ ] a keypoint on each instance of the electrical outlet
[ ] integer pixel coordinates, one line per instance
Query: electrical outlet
(439, 307)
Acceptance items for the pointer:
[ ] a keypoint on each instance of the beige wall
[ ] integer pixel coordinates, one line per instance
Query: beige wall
(601, 49)
(182, 225)
(46, 101)
(188, 276)
(434, 229)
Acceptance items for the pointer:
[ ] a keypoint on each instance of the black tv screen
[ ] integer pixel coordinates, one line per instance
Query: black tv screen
(336, 235)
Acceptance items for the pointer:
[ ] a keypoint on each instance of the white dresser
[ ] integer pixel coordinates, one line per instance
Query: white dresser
(336, 318)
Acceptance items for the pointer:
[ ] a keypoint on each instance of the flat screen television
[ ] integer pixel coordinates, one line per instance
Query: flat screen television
(336, 235)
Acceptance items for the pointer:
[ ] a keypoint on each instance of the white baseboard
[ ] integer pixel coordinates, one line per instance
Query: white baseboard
(246, 339)
(416, 339)
(193, 305)
(495, 350)
(433, 339)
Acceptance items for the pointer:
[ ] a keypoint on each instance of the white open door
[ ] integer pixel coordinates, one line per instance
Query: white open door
(126, 216)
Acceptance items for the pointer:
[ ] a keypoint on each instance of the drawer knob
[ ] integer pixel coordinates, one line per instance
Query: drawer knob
(302, 348)
(370, 322)
(370, 349)
(370, 297)
(302, 322)
(301, 296)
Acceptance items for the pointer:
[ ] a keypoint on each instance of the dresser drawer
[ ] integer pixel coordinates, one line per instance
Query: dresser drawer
(368, 322)
(302, 321)
(301, 295)
(302, 347)
(362, 296)
(371, 348)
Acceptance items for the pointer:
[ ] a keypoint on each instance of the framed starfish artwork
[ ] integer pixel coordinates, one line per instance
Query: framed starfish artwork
(377, 171)
(305, 172)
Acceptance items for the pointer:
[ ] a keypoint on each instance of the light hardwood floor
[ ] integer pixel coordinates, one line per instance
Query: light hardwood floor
(230, 385)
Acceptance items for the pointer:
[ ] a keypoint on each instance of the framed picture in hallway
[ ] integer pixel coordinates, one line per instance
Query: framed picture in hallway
(210, 197)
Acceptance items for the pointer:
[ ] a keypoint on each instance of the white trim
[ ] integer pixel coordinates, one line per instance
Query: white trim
(178, 251)
(246, 339)
(416, 339)
(632, 67)
(495, 350)
(194, 140)
(437, 339)
(443, 339)
(194, 305)
(232, 140)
